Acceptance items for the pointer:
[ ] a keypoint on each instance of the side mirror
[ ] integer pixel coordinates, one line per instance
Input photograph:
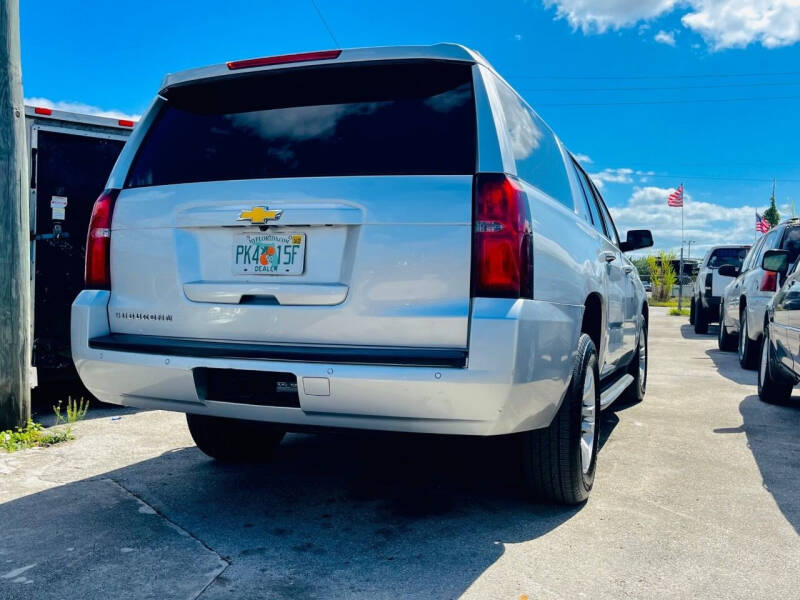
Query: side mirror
(728, 271)
(776, 261)
(637, 239)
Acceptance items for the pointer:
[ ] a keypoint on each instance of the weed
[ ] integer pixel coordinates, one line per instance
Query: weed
(679, 312)
(32, 434)
(76, 410)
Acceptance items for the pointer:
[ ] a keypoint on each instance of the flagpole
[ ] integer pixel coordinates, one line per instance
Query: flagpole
(680, 274)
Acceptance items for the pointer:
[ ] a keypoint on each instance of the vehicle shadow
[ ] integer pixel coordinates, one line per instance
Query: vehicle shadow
(727, 365)
(334, 515)
(772, 435)
(687, 332)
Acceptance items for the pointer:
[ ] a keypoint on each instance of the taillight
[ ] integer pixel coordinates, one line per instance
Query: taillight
(709, 281)
(769, 281)
(284, 59)
(98, 243)
(502, 243)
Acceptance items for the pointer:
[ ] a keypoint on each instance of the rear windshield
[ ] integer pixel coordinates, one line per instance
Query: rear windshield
(378, 119)
(727, 256)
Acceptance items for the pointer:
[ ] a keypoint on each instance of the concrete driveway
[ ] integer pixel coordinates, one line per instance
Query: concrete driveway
(697, 496)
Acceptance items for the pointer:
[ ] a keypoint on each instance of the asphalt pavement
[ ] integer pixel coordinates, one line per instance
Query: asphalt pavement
(697, 496)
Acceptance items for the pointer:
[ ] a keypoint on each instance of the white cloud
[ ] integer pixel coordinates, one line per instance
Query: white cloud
(738, 23)
(622, 175)
(722, 23)
(665, 37)
(601, 15)
(80, 107)
(706, 223)
(583, 158)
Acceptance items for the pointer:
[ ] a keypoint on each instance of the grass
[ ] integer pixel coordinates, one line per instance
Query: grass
(671, 302)
(33, 434)
(675, 312)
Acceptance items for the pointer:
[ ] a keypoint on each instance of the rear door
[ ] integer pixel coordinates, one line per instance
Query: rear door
(309, 206)
(789, 304)
(70, 168)
(609, 257)
(621, 275)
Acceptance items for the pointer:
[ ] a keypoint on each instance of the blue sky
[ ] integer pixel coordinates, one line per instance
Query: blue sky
(568, 58)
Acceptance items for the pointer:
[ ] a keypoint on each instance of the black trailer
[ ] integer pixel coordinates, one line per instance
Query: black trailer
(71, 156)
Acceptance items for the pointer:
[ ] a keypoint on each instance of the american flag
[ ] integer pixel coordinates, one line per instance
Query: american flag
(762, 225)
(676, 197)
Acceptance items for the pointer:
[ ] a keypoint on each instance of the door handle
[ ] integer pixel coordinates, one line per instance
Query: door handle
(608, 255)
(627, 269)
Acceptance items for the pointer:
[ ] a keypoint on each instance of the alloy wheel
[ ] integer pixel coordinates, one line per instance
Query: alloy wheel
(588, 420)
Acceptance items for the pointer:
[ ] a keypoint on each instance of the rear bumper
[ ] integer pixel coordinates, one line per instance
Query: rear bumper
(515, 376)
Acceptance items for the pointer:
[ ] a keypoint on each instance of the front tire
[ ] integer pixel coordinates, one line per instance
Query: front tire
(234, 440)
(559, 462)
(770, 388)
(692, 309)
(748, 349)
(725, 341)
(700, 317)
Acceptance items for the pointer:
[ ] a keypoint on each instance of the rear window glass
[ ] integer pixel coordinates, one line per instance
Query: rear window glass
(727, 256)
(534, 146)
(380, 119)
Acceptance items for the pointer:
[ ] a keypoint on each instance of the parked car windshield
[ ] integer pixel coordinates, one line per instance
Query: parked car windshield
(380, 119)
(727, 256)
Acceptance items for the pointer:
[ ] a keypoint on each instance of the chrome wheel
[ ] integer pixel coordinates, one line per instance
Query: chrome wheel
(588, 420)
(642, 360)
(742, 335)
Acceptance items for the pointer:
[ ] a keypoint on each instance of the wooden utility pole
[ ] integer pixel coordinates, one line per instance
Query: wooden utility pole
(15, 281)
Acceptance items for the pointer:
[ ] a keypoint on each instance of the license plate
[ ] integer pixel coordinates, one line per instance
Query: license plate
(269, 253)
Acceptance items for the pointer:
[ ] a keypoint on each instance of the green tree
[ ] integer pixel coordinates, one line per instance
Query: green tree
(771, 214)
(662, 275)
(640, 262)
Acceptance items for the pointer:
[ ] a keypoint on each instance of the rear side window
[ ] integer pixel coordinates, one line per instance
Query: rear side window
(791, 243)
(536, 151)
(748, 261)
(379, 119)
(727, 256)
(591, 202)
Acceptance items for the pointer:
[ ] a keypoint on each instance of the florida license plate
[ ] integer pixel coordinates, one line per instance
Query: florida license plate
(269, 253)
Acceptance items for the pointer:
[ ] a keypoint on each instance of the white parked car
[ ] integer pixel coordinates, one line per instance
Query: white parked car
(745, 298)
(381, 238)
(709, 284)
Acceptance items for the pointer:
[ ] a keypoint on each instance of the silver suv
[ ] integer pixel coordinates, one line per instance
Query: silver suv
(744, 300)
(383, 238)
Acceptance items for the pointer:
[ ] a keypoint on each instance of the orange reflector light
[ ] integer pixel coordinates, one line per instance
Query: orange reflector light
(40, 110)
(125, 123)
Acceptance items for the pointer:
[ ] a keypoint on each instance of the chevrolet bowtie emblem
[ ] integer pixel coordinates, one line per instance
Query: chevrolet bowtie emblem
(258, 215)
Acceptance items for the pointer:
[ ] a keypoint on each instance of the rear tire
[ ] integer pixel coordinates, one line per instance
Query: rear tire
(234, 440)
(700, 318)
(638, 368)
(770, 388)
(725, 341)
(559, 462)
(748, 349)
